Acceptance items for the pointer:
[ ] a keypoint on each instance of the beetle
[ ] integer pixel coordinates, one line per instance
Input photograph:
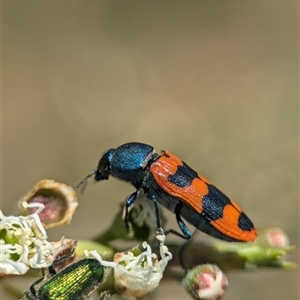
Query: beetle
(166, 179)
(76, 281)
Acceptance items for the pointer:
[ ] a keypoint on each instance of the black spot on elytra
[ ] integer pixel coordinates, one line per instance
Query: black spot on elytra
(183, 176)
(213, 207)
(244, 223)
(213, 203)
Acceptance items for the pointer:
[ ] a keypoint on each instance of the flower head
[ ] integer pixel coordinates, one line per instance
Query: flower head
(205, 282)
(23, 243)
(137, 273)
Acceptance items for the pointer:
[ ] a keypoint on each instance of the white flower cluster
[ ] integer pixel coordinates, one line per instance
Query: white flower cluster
(138, 275)
(23, 243)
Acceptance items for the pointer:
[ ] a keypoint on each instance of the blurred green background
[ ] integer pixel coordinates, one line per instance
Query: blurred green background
(215, 82)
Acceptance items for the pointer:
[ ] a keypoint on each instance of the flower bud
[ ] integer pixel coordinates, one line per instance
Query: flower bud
(272, 237)
(205, 282)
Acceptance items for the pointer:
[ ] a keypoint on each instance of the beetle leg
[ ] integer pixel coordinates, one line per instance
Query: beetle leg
(29, 296)
(159, 228)
(182, 249)
(181, 224)
(129, 201)
(32, 287)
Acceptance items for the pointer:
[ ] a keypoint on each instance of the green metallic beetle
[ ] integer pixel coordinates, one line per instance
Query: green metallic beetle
(75, 282)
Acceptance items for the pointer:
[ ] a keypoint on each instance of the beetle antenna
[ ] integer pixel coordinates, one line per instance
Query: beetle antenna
(81, 186)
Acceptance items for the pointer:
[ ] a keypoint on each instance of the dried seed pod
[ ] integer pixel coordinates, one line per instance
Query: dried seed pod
(59, 200)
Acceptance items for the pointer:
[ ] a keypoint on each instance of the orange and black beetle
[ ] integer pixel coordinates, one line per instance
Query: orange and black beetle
(166, 179)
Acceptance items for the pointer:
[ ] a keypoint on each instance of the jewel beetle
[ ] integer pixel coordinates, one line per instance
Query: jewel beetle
(76, 281)
(166, 179)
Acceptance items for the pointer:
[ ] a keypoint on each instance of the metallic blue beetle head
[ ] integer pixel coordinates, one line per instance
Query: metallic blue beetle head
(127, 162)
